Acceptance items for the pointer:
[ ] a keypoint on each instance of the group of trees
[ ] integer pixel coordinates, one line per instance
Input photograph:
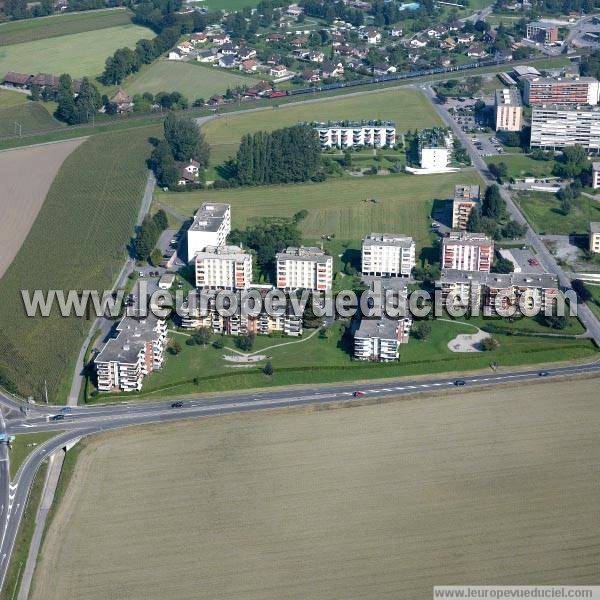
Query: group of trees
(148, 234)
(330, 11)
(566, 195)
(286, 155)
(183, 141)
(574, 164)
(76, 109)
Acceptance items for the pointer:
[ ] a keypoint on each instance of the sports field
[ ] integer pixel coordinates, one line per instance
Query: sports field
(374, 502)
(28, 30)
(408, 108)
(339, 206)
(78, 54)
(77, 242)
(31, 116)
(193, 81)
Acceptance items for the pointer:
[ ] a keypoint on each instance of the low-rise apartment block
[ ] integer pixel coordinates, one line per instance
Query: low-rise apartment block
(466, 198)
(539, 31)
(479, 289)
(435, 148)
(387, 255)
(306, 268)
(223, 268)
(595, 237)
(211, 225)
(509, 110)
(466, 251)
(596, 175)
(348, 134)
(137, 350)
(557, 126)
(557, 90)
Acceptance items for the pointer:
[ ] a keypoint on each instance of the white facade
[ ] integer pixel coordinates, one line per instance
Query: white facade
(557, 127)
(596, 175)
(467, 252)
(304, 268)
(338, 135)
(388, 255)
(223, 267)
(212, 224)
(434, 158)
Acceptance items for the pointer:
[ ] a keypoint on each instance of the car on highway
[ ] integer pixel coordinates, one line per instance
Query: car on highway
(543, 374)
(57, 418)
(66, 409)
(177, 405)
(358, 393)
(460, 382)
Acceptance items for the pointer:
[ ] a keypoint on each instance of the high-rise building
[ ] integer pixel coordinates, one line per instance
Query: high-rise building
(211, 225)
(466, 251)
(509, 110)
(558, 90)
(557, 126)
(466, 198)
(304, 268)
(223, 268)
(387, 255)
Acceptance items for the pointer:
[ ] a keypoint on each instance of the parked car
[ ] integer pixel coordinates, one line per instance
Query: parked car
(534, 262)
(177, 404)
(460, 382)
(358, 394)
(57, 418)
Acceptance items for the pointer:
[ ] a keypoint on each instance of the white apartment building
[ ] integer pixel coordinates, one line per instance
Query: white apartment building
(560, 90)
(596, 175)
(435, 148)
(558, 126)
(212, 224)
(387, 255)
(223, 268)
(344, 134)
(137, 350)
(304, 268)
(466, 251)
(595, 237)
(509, 110)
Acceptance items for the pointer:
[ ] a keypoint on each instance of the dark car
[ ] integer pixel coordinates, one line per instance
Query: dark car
(177, 405)
(460, 382)
(66, 409)
(57, 418)
(543, 374)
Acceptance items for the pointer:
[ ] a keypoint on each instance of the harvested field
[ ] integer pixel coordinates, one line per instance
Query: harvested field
(23, 194)
(377, 502)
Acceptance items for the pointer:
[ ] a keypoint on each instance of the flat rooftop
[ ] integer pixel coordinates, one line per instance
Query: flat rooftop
(564, 80)
(595, 227)
(209, 216)
(225, 251)
(382, 327)
(311, 253)
(466, 192)
(508, 97)
(501, 280)
(466, 238)
(351, 124)
(388, 239)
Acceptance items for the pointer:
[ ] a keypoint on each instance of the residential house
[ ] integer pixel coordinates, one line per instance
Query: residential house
(448, 44)
(174, 55)
(311, 75)
(207, 56)
(249, 66)
(299, 42)
(19, 80)
(228, 61)
(220, 38)
(417, 42)
(199, 38)
(316, 56)
(396, 32)
(122, 102)
(465, 38)
(188, 172)
(278, 71)
(246, 53)
(476, 51)
(228, 49)
(371, 36)
(383, 69)
(185, 47)
(294, 10)
(332, 69)
(260, 89)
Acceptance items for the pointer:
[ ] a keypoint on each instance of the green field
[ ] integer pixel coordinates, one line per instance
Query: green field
(371, 502)
(32, 116)
(78, 54)
(403, 204)
(523, 166)
(77, 242)
(28, 30)
(229, 4)
(192, 80)
(544, 213)
(408, 108)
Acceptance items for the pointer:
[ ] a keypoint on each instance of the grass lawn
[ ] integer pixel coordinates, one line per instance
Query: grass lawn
(229, 4)
(544, 213)
(192, 80)
(27, 30)
(33, 116)
(77, 242)
(408, 108)
(23, 445)
(404, 204)
(318, 360)
(369, 502)
(78, 54)
(523, 166)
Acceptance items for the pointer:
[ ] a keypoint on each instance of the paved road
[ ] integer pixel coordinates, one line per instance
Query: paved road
(586, 316)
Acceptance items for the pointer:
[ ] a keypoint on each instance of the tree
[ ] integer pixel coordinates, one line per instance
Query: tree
(156, 257)
(421, 330)
(268, 369)
(513, 229)
(499, 170)
(174, 347)
(474, 220)
(160, 218)
(503, 265)
(581, 290)
(203, 336)
(163, 165)
(185, 139)
(555, 322)
(489, 343)
(245, 341)
(565, 205)
(572, 162)
(493, 205)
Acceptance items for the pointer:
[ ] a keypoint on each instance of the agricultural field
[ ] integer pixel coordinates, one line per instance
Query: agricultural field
(24, 195)
(543, 211)
(77, 242)
(519, 165)
(31, 116)
(224, 507)
(192, 80)
(407, 107)
(28, 30)
(78, 54)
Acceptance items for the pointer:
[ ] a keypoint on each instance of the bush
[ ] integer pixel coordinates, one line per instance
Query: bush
(245, 342)
(174, 347)
(268, 369)
(489, 343)
(218, 344)
(421, 330)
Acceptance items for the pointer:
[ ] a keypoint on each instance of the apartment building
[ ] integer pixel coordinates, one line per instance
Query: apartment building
(211, 225)
(304, 268)
(509, 110)
(558, 90)
(557, 126)
(467, 251)
(387, 255)
(466, 198)
(435, 148)
(348, 134)
(137, 350)
(481, 289)
(596, 175)
(239, 323)
(223, 268)
(595, 237)
(542, 32)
